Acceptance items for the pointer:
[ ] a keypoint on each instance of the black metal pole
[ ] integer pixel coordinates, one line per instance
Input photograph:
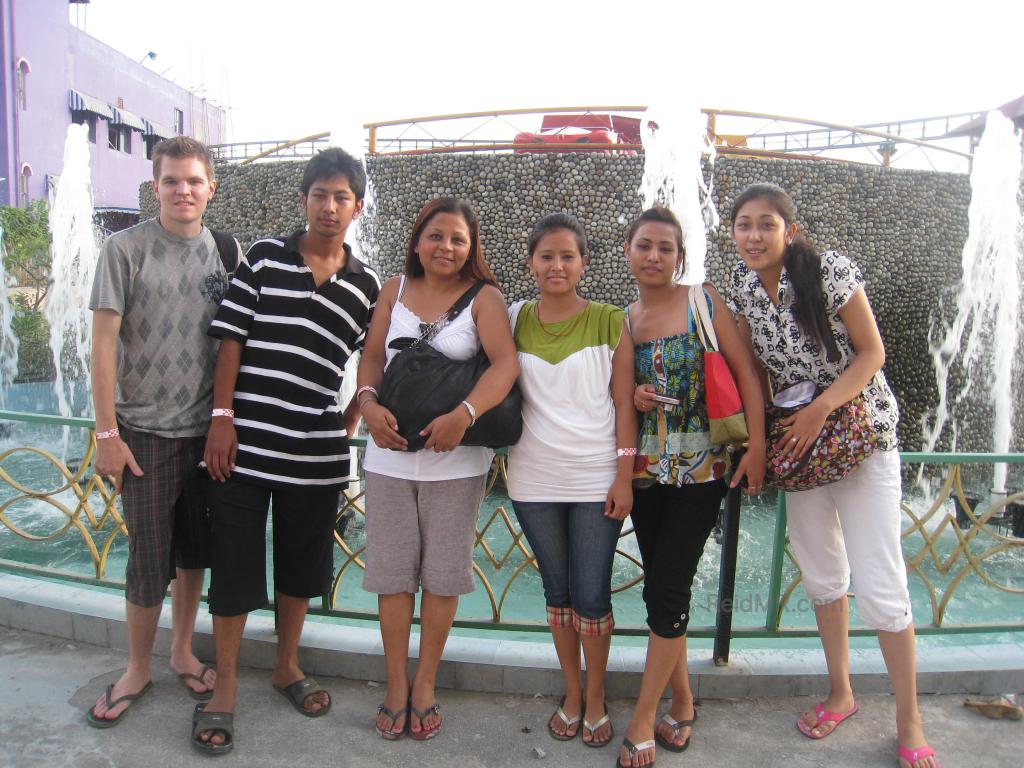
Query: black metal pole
(727, 576)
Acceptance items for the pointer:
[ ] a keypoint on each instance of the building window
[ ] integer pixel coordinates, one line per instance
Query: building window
(23, 180)
(87, 119)
(22, 69)
(179, 122)
(119, 137)
(151, 142)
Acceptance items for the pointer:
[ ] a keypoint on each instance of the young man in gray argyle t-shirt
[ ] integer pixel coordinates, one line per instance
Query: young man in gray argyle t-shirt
(157, 287)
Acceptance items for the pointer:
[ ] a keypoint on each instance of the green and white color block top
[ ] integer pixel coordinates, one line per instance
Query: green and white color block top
(567, 451)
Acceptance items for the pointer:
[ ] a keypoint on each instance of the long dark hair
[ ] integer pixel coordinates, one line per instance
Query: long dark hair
(803, 265)
(475, 267)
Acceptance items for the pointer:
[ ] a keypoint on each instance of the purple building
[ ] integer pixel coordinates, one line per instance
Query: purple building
(54, 74)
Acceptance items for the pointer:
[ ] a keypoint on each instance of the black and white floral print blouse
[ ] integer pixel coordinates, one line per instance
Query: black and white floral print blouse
(789, 356)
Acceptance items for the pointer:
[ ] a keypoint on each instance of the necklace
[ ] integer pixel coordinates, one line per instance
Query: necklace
(568, 331)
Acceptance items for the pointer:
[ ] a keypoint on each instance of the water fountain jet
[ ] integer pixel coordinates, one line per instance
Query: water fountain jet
(74, 255)
(985, 328)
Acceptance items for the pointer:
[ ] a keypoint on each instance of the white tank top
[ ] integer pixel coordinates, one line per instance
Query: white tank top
(458, 340)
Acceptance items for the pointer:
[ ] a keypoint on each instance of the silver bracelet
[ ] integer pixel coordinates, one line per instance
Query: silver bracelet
(472, 412)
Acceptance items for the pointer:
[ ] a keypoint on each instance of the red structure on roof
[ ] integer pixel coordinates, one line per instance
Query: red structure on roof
(582, 129)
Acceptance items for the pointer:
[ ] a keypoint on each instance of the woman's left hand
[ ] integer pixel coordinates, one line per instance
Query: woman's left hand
(446, 432)
(620, 499)
(751, 466)
(804, 429)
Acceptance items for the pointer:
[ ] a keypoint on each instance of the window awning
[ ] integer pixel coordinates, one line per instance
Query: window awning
(155, 129)
(79, 102)
(123, 117)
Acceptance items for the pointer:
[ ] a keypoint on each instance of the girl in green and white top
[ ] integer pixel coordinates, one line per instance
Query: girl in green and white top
(569, 475)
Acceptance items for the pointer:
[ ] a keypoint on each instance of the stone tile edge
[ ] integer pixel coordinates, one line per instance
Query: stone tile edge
(61, 611)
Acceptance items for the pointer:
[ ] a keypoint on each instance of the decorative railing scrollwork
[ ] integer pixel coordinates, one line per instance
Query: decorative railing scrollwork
(943, 547)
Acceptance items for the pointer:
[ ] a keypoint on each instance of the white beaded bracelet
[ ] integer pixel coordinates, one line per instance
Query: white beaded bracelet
(472, 412)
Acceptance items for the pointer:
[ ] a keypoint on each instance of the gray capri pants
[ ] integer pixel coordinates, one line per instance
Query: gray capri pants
(421, 533)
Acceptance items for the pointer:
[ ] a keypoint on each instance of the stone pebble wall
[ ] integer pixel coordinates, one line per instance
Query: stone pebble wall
(905, 229)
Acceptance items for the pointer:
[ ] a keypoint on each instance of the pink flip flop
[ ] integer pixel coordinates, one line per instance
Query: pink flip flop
(824, 716)
(913, 755)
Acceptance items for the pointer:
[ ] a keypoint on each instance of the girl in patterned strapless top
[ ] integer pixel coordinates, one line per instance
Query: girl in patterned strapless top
(679, 475)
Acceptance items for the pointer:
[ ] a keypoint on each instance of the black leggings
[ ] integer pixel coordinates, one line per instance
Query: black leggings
(671, 525)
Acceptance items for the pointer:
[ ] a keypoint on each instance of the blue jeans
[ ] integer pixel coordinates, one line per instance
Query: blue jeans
(574, 544)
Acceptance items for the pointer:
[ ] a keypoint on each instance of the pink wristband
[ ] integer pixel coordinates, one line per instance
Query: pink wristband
(626, 452)
(362, 401)
(223, 412)
(115, 432)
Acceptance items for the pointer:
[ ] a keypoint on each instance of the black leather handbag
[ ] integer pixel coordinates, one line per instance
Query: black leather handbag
(421, 384)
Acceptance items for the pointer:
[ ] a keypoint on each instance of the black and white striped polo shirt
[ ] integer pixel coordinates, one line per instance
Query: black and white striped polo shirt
(297, 339)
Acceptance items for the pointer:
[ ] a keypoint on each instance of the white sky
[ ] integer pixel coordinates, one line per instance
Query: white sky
(288, 69)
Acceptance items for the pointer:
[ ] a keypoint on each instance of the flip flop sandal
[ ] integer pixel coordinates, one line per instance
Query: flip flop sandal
(913, 755)
(569, 723)
(203, 721)
(634, 750)
(103, 722)
(424, 734)
(299, 691)
(675, 725)
(197, 695)
(389, 735)
(824, 716)
(588, 727)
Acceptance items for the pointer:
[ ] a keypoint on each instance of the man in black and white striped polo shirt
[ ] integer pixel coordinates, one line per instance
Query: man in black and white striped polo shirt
(297, 309)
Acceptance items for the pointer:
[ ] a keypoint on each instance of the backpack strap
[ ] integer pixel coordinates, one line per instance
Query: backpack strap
(227, 247)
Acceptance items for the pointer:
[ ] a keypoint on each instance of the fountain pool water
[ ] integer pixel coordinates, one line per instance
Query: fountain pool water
(973, 602)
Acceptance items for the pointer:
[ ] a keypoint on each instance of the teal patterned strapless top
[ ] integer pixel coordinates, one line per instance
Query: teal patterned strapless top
(674, 446)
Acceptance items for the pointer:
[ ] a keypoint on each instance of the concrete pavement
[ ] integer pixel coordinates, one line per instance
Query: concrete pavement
(46, 684)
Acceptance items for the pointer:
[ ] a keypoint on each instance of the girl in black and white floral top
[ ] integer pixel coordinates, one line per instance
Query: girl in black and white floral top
(808, 319)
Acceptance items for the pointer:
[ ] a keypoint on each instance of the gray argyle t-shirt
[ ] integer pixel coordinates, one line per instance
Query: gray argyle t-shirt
(167, 290)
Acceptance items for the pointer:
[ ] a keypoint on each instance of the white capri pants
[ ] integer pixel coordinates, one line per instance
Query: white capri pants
(855, 525)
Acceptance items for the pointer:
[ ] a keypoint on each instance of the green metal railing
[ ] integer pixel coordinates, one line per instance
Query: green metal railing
(980, 535)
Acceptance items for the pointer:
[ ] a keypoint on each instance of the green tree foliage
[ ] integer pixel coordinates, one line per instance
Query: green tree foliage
(35, 360)
(27, 242)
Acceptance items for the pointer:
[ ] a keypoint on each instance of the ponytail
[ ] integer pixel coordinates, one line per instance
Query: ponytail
(803, 265)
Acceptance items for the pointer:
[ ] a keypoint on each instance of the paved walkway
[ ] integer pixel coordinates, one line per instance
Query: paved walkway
(46, 684)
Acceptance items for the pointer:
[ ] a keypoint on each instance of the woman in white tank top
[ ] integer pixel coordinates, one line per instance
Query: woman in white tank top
(421, 506)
